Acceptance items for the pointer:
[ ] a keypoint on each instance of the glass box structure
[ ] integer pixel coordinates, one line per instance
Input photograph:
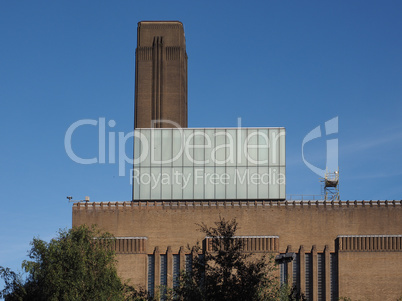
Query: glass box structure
(209, 164)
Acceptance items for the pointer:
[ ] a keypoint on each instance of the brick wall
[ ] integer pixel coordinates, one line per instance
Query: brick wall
(363, 235)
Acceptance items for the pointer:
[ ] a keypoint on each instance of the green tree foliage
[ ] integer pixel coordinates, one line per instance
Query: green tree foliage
(13, 288)
(78, 265)
(227, 273)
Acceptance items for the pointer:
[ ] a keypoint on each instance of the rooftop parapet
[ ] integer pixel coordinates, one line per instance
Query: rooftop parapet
(237, 204)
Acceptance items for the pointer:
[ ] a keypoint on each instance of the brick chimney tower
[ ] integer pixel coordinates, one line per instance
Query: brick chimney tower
(160, 75)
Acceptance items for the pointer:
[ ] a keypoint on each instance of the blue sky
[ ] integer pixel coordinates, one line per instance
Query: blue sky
(272, 63)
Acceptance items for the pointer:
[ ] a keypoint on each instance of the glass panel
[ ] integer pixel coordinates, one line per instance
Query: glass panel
(263, 171)
(253, 181)
(241, 156)
(156, 183)
(151, 274)
(209, 187)
(163, 274)
(199, 174)
(198, 142)
(146, 147)
(167, 147)
(282, 182)
(231, 141)
(283, 272)
(156, 147)
(178, 147)
(219, 185)
(188, 151)
(321, 276)
(251, 147)
(177, 183)
(166, 183)
(274, 186)
(282, 145)
(188, 183)
(231, 192)
(241, 179)
(274, 147)
(176, 270)
(296, 275)
(136, 183)
(145, 182)
(189, 263)
(220, 147)
(334, 276)
(263, 150)
(308, 276)
(209, 146)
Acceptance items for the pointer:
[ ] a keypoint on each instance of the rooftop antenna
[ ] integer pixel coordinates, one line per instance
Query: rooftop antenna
(331, 186)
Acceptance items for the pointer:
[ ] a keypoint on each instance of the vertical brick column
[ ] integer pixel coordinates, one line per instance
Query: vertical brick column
(169, 259)
(302, 269)
(327, 255)
(276, 244)
(144, 245)
(314, 265)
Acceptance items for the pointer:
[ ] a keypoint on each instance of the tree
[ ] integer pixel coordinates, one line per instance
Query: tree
(228, 273)
(13, 288)
(78, 265)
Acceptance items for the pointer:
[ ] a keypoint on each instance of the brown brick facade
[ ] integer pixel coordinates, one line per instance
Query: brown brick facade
(160, 75)
(357, 245)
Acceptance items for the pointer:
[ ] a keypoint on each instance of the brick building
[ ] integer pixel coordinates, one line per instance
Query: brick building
(343, 248)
